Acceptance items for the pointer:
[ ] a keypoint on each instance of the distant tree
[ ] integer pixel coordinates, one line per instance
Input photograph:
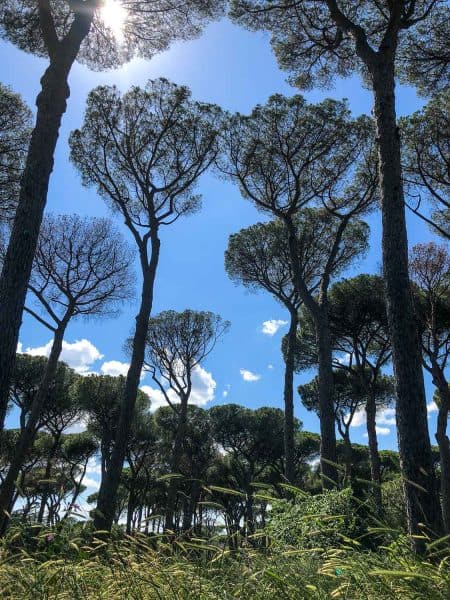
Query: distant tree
(348, 398)
(380, 40)
(176, 344)
(243, 434)
(426, 161)
(65, 32)
(144, 152)
(430, 270)
(285, 156)
(15, 121)
(198, 453)
(361, 346)
(81, 268)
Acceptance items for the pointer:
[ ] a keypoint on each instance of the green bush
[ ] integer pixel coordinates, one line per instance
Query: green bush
(323, 520)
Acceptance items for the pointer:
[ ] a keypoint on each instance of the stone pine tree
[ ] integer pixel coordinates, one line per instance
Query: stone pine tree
(317, 41)
(285, 156)
(258, 257)
(15, 122)
(426, 161)
(81, 269)
(144, 152)
(64, 32)
(430, 270)
(176, 344)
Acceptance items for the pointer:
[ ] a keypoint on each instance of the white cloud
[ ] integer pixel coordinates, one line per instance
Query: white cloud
(93, 467)
(203, 389)
(381, 431)
(226, 391)
(272, 326)
(432, 407)
(78, 426)
(114, 368)
(270, 367)
(385, 416)
(249, 376)
(79, 355)
(92, 484)
(19, 348)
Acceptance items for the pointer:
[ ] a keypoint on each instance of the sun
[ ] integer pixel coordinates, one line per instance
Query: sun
(113, 15)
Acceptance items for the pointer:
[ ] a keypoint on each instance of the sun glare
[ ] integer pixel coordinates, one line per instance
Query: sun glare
(113, 15)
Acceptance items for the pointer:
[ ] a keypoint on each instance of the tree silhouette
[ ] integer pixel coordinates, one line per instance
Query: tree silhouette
(176, 344)
(144, 153)
(285, 156)
(81, 268)
(317, 41)
(65, 32)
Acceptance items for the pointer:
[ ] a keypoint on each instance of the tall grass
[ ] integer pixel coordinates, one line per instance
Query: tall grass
(74, 565)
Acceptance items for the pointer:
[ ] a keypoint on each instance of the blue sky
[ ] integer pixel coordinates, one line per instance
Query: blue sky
(235, 69)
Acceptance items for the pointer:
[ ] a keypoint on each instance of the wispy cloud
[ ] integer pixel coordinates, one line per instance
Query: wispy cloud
(249, 376)
(272, 326)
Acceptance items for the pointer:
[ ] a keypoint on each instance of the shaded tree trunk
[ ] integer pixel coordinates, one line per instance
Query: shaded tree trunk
(48, 472)
(289, 446)
(375, 470)
(51, 105)
(328, 454)
(444, 447)
(27, 435)
(422, 503)
(325, 373)
(176, 462)
(104, 512)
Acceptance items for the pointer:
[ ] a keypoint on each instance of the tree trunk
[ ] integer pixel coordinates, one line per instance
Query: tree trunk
(51, 105)
(289, 446)
(375, 470)
(348, 459)
(328, 454)
(47, 474)
(27, 435)
(444, 450)
(104, 512)
(176, 461)
(422, 502)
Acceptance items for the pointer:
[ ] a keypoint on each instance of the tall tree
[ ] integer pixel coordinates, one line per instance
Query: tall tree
(15, 122)
(315, 42)
(65, 32)
(285, 156)
(176, 344)
(430, 269)
(426, 161)
(258, 257)
(81, 269)
(144, 153)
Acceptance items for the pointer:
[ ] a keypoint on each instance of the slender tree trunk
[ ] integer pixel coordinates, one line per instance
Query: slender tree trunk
(422, 502)
(348, 458)
(130, 510)
(190, 505)
(104, 512)
(375, 470)
(289, 446)
(27, 435)
(444, 450)
(328, 453)
(51, 105)
(176, 461)
(48, 472)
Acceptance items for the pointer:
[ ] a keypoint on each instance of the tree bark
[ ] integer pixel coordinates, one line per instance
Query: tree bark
(104, 512)
(51, 104)
(27, 435)
(319, 313)
(176, 462)
(289, 446)
(422, 502)
(375, 470)
(444, 448)
(328, 454)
